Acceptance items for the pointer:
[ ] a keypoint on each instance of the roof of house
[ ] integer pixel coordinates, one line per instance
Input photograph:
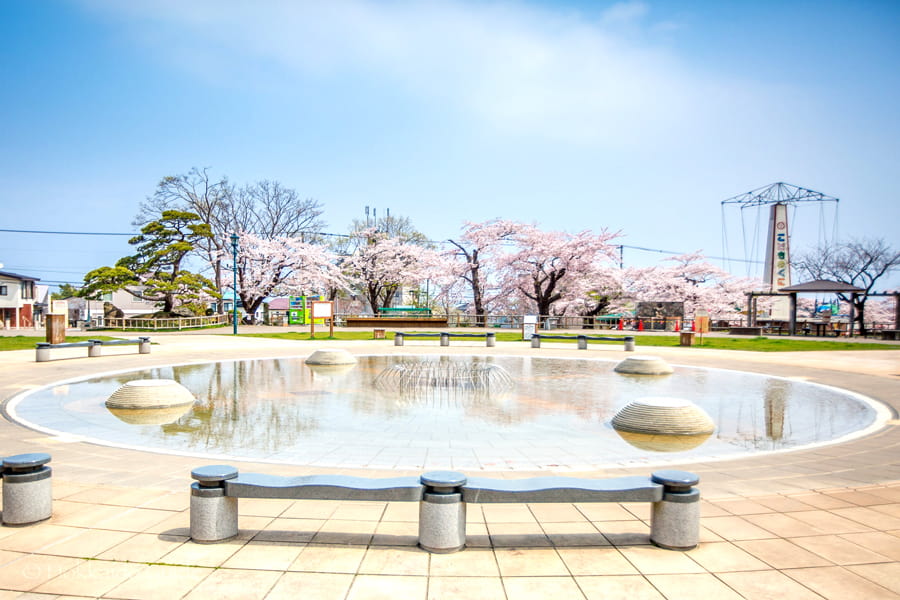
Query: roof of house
(279, 304)
(19, 277)
(822, 285)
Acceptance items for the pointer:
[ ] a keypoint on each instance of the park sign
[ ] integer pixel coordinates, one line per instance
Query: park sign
(777, 272)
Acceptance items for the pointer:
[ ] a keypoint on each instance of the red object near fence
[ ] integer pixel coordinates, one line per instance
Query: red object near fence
(620, 324)
(677, 325)
(693, 325)
(641, 325)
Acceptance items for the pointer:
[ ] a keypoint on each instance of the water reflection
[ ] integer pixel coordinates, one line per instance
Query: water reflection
(555, 414)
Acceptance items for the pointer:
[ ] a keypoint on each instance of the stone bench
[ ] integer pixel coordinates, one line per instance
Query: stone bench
(442, 498)
(490, 339)
(42, 350)
(582, 340)
(27, 495)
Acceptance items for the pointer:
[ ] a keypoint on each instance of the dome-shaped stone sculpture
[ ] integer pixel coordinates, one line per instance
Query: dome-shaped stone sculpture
(663, 443)
(150, 402)
(663, 416)
(330, 357)
(150, 393)
(644, 365)
(151, 416)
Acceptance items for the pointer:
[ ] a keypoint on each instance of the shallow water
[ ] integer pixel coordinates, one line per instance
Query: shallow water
(554, 417)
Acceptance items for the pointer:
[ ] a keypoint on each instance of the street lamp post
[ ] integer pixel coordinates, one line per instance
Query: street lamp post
(234, 251)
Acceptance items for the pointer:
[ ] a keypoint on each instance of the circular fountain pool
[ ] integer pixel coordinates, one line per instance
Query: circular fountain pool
(553, 414)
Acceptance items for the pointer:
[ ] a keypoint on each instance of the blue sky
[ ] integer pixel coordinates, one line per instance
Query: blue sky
(633, 116)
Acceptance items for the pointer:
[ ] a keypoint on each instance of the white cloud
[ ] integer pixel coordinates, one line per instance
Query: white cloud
(516, 68)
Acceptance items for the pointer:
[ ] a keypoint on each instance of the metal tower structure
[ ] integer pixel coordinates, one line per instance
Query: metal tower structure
(778, 196)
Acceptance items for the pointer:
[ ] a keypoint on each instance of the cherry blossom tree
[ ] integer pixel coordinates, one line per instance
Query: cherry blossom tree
(691, 279)
(280, 266)
(382, 265)
(472, 261)
(546, 266)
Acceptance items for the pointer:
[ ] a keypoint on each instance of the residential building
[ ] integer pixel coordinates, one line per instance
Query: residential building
(16, 300)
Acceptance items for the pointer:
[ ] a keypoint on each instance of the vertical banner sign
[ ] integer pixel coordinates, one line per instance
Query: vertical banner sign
(777, 273)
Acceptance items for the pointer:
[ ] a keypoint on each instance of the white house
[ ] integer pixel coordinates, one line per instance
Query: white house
(16, 300)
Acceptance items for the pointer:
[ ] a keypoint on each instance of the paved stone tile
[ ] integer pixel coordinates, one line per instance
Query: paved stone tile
(839, 550)
(161, 581)
(203, 555)
(507, 513)
(540, 588)
(532, 562)
(234, 584)
(736, 528)
(30, 571)
(329, 559)
(143, 547)
(876, 541)
(782, 554)
(470, 588)
(720, 557)
(767, 585)
(336, 531)
(828, 522)
(289, 530)
(632, 587)
(267, 556)
(625, 533)
(87, 544)
(596, 561)
(471, 562)
(884, 574)
(90, 578)
(783, 525)
(556, 513)
(868, 517)
(582, 533)
(394, 561)
(311, 586)
(528, 535)
(387, 587)
(839, 583)
(30, 539)
(396, 533)
(603, 511)
(691, 587)
(650, 559)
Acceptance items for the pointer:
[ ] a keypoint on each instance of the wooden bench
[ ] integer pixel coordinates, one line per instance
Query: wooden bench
(442, 498)
(583, 340)
(757, 331)
(42, 350)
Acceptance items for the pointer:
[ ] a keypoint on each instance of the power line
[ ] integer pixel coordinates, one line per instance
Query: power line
(63, 232)
(346, 235)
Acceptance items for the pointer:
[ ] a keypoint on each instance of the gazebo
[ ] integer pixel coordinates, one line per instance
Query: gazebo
(820, 286)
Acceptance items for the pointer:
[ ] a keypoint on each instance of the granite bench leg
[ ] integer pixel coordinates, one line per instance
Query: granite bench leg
(214, 516)
(490, 340)
(582, 342)
(42, 352)
(675, 520)
(629, 344)
(442, 512)
(27, 492)
(95, 349)
(445, 339)
(144, 345)
(398, 339)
